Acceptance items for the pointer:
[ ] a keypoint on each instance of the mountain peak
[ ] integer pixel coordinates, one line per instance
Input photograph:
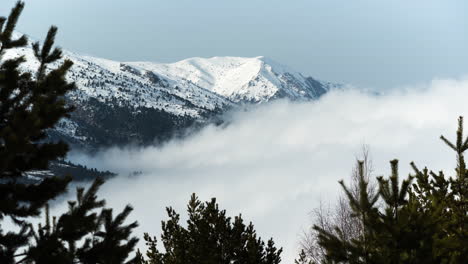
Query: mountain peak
(166, 96)
(251, 79)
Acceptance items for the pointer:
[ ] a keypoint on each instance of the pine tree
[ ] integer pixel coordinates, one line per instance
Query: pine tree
(209, 237)
(83, 235)
(393, 229)
(445, 201)
(423, 220)
(112, 244)
(30, 104)
(340, 214)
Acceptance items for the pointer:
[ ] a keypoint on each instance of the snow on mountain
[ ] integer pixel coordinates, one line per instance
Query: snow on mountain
(116, 101)
(257, 79)
(106, 80)
(188, 86)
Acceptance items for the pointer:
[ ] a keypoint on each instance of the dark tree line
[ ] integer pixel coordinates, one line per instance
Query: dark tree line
(78, 172)
(102, 123)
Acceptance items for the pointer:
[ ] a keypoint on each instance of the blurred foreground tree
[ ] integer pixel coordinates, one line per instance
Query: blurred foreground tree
(421, 219)
(209, 238)
(31, 103)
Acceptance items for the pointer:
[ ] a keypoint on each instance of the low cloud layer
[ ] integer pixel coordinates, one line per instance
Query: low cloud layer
(274, 163)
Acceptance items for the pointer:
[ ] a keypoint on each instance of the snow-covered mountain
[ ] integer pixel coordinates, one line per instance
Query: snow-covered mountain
(122, 102)
(239, 79)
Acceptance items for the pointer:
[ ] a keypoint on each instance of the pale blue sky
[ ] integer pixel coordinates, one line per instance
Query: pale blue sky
(372, 43)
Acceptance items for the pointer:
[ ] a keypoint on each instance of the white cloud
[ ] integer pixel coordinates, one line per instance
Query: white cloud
(275, 162)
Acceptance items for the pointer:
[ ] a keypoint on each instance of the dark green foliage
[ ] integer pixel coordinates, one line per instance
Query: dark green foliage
(83, 235)
(328, 216)
(106, 246)
(424, 218)
(210, 237)
(30, 105)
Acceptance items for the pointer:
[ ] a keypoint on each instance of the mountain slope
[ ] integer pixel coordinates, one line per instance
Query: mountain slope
(239, 79)
(139, 102)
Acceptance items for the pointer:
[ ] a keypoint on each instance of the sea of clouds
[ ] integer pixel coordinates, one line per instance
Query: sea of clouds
(275, 162)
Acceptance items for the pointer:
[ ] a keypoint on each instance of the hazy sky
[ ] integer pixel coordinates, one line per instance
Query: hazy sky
(370, 43)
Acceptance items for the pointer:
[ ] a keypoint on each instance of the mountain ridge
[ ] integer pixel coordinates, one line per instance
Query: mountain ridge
(252, 79)
(139, 102)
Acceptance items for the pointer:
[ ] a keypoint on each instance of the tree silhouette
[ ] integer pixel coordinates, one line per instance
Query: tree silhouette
(30, 104)
(423, 219)
(209, 237)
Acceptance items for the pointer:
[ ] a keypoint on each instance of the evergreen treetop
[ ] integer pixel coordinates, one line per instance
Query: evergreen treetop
(30, 104)
(423, 219)
(209, 237)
